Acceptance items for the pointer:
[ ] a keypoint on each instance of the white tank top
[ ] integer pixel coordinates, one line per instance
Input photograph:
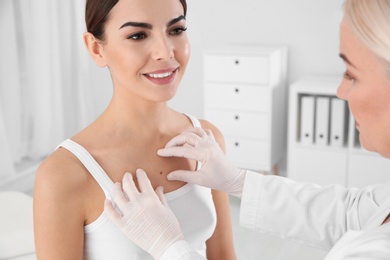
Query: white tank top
(192, 205)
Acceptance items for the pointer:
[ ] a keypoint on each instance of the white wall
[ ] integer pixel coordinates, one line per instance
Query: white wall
(310, 30)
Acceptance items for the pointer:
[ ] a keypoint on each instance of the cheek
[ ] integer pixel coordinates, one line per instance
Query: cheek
(129, 62)
(355, 104)
(368, 108)
(361, 109)
(183, 53)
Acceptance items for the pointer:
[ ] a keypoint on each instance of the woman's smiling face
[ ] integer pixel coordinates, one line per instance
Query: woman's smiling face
(146, 47)
(366, 87)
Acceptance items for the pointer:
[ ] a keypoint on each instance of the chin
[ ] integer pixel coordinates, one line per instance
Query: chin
(366, 144)
(369, 146)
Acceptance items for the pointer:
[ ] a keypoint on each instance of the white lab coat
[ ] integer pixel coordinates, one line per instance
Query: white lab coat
(346, 222)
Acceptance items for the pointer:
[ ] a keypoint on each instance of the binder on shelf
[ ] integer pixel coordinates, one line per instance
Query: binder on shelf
(337, 123)
(322, 121)
(307, 120)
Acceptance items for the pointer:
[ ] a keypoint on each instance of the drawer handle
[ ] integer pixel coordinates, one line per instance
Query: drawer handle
(237, 117)
(237, 62)
(237, 90)
(237, 144)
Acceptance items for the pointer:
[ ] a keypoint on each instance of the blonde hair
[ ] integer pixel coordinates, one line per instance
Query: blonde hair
(370, 21)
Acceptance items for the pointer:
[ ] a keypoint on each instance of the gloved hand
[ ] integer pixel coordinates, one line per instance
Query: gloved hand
(146, 217)
(216, 171)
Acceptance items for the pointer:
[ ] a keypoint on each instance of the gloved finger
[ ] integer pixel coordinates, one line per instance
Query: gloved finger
(119, 196)
(186, 176)
(184, 138)
(129, 186)
(111, 212)
(198, 131)
(160, 194)
(144, 182)
(188, 152)
(210, 136)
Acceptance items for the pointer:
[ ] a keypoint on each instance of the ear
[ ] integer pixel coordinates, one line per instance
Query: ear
(94, 48)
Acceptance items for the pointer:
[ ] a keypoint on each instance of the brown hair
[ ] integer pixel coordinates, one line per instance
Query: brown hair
(96, 15)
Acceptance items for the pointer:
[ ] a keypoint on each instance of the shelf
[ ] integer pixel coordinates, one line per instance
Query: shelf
(347, 163)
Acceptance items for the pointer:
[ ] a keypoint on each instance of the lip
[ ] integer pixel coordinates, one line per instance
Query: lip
(159, 78)
(161, 71)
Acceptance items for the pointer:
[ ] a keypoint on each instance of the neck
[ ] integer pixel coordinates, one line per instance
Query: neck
(136, 118)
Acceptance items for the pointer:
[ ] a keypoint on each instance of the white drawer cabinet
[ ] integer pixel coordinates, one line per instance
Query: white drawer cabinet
(241, 97)
(245, 97)
(240, 124)
(249, 153)
(238, 68)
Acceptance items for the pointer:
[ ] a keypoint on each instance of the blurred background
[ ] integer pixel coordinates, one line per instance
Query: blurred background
(50, 88)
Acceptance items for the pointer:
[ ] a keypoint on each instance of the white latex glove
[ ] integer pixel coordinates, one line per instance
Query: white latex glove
(216, 171)
(146, 217)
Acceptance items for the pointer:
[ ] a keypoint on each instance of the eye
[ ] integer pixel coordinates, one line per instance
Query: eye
(347, 76)
(137, 36)
(177, 30)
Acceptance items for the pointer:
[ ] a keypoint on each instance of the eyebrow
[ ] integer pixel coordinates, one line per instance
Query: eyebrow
(342, 56)
(175, 20)
(149, 26)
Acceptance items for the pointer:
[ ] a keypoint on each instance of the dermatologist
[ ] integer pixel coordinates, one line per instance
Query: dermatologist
(350, 223)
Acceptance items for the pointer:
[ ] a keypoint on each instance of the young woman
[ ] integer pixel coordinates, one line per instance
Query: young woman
(351, 223)
(144, 45)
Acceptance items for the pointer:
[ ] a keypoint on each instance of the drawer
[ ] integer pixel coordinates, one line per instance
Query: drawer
(250, 98)
(240, 124)
(247, 151)
(236, 68)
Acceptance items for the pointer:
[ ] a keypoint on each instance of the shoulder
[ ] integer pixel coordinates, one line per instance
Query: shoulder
(60, 176)
(59, 206)
(216, 132)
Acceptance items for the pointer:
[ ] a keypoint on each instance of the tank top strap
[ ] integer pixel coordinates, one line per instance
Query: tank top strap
(194, 120)
(196, 123)
(91, 165)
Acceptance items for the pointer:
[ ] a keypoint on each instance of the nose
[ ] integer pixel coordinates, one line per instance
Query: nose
(342, 91)
(162, 49)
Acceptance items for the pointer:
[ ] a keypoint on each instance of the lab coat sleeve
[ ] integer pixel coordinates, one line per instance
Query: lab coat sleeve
(306, 213)
(181, 250)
